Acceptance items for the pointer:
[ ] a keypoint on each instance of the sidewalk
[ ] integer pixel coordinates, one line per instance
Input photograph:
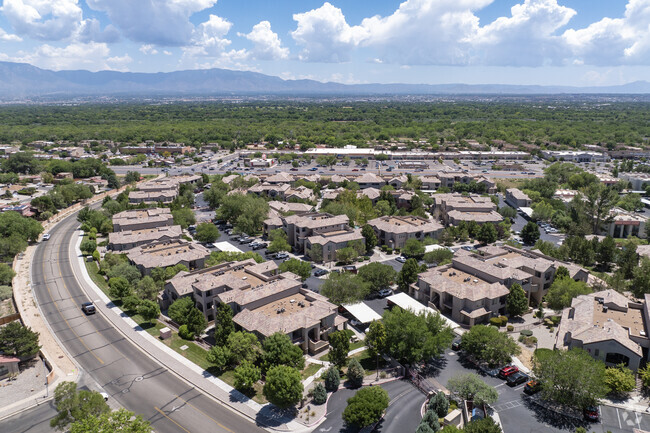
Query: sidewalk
(178, 364)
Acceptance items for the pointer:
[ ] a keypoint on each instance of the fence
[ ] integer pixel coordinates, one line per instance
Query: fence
(10, 318)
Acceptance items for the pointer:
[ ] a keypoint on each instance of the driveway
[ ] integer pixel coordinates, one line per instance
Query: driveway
(402, 415)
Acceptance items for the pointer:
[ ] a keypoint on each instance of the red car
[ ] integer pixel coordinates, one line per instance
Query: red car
(507, 371)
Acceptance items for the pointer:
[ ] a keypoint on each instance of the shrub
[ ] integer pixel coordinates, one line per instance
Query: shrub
(526, 333)
(355, 373)
(556, 319)
(389, 251)
(439, 404)
(5, 292)
(96, 256)
(185, 333)
(319, 394)
(504, 320)
(130, 303)
(495, 321)
(510, 328)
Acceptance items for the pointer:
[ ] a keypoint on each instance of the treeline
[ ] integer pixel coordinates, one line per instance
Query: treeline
(336, 124)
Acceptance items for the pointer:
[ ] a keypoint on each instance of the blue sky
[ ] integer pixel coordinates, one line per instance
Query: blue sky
(562, 42)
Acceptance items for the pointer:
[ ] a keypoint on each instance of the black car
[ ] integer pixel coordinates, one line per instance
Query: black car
(591, 413)
(88, 308)
(517, 379)
(320, 272)
(455, 345)
(258, 245)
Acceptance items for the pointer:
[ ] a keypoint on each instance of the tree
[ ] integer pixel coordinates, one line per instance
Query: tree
(243, 346)
(644, 375)
(179, 310)
(298, 267)
(207, 233)
(376, 338)
(73, 405)
(278, 350)
(131, 177)
(487, 234)
(640, 284)
(18, 340)
(278, 242)
(430, 419)
(245, 212)
(126, 271)
(557, 372)
(413, 248)
(355, 373)
(489, 345)
(508, 212)
(408, 275)
(516, 301)
(371, 238)
(219, 356)
(332, 379)
(470, 387)
(130, 303)
(530, 233)
(627, 259)
(120, 420)
(149, 310)
(283, 386)
(147, 288)
(620, 380)
(377, 275)
(346, 255)
(562, 292)
(606, 252)
(439, 256)
(7, 274)
(344, 288)
(119, 287)
(246, 375)
(562, 272)
(87, 247)
(439, 404)
(339, 347)
(319, 394)
(485, 425)
(366, 406)
(223, 324)
(183, 217)
(412, 338)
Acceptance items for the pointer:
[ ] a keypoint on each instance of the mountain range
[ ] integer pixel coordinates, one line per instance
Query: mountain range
(24, 81)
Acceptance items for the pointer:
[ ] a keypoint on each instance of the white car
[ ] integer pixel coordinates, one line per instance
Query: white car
(46, 237)
(401, 259)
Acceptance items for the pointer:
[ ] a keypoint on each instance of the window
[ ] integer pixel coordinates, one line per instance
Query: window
(617, 358)
(596, 352)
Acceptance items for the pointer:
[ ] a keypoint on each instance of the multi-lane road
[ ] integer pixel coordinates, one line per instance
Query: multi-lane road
(121, 369)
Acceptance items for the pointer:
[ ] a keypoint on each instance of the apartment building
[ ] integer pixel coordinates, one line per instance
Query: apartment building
(394, 231)
(299, 227)
(139, 219)
(128, 239)
(467, 299)
(517, 198)
(454, 207)
(163, 254)
(280, 178)
(273, 190)
(295, 208)
(609, 326)
(153, 197)
(322, 248)
(370, 180)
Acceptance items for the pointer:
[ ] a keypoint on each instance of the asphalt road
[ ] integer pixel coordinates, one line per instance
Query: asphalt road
(402, 415)
(133, 379)
(35, 420)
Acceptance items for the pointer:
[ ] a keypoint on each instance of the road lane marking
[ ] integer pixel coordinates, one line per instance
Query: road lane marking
(66, 320)
(177, 424)
(205, 414)
(619, 419)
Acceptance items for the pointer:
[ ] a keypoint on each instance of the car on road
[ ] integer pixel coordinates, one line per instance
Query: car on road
(313, 169)
(508, 371)
(591, 413)
(320, 272)
(384, 293)
(46, 237)
(401, 259)
(532, 387)
(88, 308)
(517, 379)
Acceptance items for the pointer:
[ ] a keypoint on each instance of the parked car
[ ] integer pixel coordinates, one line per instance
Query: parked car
(281, 255)
(245, 240)
(456, 345)
(88, 308)
(532, 387)
(350, 268)
(320, 272)
(258, 245)
(591, 413)
(384, 293)
(401, 259)
(507, 371)
(517, 378)
(46, 237)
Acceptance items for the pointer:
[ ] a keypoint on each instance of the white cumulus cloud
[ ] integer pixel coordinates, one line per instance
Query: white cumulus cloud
(43, 19)
(267, 44)
(159, 22)
(93, 56)
(148, 49)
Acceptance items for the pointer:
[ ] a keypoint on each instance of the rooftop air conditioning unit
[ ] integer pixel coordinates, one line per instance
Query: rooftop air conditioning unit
(605, 309)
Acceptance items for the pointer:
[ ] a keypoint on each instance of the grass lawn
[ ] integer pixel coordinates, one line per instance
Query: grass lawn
(93, 271)
(310, 370)
(357, 344)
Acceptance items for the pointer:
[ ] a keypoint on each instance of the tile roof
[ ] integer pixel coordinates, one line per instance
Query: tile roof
(166, 253)
(144, 235)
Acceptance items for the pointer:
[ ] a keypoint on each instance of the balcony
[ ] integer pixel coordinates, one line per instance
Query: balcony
(317, 346)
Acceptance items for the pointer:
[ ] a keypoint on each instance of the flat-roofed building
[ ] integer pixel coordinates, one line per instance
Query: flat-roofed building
(138, 219)
(127, 239)
(575, 155)
(394, 231)
(162, 254)
(638, 181)
(624, 224)
(609, 326)
(517, 198)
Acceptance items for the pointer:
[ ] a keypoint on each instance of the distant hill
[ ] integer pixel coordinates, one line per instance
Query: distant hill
(20, 80)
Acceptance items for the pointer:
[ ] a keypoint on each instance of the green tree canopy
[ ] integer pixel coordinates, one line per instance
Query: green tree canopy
(120, 420)
(339, 347)
(366, 407)
(223, 324)
(530, 233)
(283, 386)
(344, 288)
(298, 267)
(470, 386)
(278, 242)
(207, 233)
(243, 346)
(413, 248)
(371, 238)
(408, 275)
(562, 292)
(73, 405)
(278, 350)
(184, 217)
(378, 275)
(489, 345)
(516, 301)
(18, 340)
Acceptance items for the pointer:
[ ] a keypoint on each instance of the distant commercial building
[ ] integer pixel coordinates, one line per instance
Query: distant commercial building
(638, 181)
(575, 155)
(624, 224)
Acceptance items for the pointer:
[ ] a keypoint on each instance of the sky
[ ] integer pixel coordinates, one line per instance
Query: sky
(545, 42)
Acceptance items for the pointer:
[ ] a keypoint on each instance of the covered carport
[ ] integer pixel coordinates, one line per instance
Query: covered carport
(361, 313)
